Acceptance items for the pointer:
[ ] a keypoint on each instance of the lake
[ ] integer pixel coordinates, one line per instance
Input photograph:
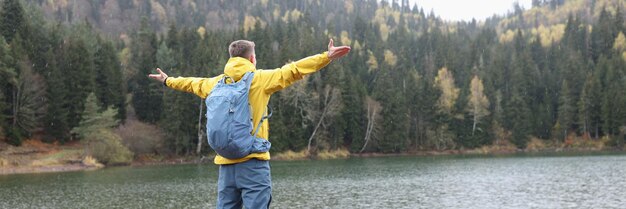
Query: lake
(591, 181)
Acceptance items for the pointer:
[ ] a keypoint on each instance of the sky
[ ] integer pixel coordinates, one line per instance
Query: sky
(454, 10)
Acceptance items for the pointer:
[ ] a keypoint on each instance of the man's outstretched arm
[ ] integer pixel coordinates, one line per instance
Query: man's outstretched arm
(275, 80)
(197, 86)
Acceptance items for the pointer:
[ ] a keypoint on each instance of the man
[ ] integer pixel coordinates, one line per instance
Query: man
(247, 180)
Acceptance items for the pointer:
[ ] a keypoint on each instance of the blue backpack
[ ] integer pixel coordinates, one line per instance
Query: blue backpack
(229, 120)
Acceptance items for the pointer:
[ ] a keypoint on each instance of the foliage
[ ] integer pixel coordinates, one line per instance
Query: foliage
(412, 81)
(142, 138)
(449, 92)
(146, 94)
(93, 121)
(100, 141)
(12, 16)
(291, 155)
(107, 147)
(30, 100)
(478, 104)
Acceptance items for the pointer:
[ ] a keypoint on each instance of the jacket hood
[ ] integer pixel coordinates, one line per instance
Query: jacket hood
(236, 67)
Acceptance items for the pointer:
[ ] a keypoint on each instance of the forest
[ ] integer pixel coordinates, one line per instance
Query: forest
(550, 75)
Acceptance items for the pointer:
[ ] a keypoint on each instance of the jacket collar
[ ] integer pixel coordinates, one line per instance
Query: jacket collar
(237, 67)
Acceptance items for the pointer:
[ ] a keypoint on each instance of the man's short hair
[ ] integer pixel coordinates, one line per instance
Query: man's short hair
(241, 48)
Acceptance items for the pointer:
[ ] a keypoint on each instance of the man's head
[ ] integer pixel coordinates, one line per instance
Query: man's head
(243, 49)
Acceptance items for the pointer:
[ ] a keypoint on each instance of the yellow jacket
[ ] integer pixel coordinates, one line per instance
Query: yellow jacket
(264, 84)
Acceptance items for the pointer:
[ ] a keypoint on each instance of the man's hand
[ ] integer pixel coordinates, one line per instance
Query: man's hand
(337, 52)
(159, 77)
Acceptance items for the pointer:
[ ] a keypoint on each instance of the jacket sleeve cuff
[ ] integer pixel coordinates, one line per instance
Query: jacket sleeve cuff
(325, 57)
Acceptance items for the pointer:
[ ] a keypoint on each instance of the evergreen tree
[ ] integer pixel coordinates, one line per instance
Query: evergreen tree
(77, 65)
(352, 114)
(93, 120)
(589, 107)
(518, 114)
(566, 111)
(517, 109)
(108, 78)
(394, 122)
(8, 77)
(12, 16)
(55, 121)
(95, 129)
(574, 35)
(611, 111)
(147, 95)
(602, 35)
(175, 118)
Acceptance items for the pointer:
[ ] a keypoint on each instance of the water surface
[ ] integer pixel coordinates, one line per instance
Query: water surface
(389, 182)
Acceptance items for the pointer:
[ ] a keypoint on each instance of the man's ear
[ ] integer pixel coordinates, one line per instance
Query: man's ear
(252, 59)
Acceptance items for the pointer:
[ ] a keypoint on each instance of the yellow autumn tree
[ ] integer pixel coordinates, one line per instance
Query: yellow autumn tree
(507, 36)
(384, 31)
(357, 46)
(620, 42)
(390, 58)
(548, 35)
(449, 92)
(345, 38)
(158, 11)
(349, 6)
(248, 23)
(292, 16)
(201, 32)
(372, 63)
(276, 14)
(477, 104)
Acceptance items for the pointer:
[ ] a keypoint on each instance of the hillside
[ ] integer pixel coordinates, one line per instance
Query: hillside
(549, 76)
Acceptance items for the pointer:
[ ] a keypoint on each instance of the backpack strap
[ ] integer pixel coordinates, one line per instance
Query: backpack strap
(247, 78)
(268, 114)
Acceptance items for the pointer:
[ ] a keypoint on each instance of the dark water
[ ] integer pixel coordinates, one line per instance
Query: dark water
(392, 182)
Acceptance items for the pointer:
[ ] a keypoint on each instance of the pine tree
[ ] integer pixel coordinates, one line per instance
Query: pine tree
(108, 78)
(589, 107)
(352, 114)
(95, 128)
(611, 109)
(147, 95)
(77, 65)
(574, 35)
(394, 122)
(93, 120)
(12, 16)
(8, 77)
(602, 35)
(179, 127)
(55, 121)
(517, 109)
(566, 111)
(518, 114)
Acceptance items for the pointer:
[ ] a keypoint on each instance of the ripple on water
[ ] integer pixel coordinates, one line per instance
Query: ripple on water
(394, 182)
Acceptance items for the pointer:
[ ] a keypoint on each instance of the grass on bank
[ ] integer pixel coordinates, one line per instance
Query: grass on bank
(34, 154)
(304, 154)
(571, 143)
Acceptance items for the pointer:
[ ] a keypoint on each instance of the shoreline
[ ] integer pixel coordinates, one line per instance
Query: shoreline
(47, 169)
(502, 153)
(184, 160)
